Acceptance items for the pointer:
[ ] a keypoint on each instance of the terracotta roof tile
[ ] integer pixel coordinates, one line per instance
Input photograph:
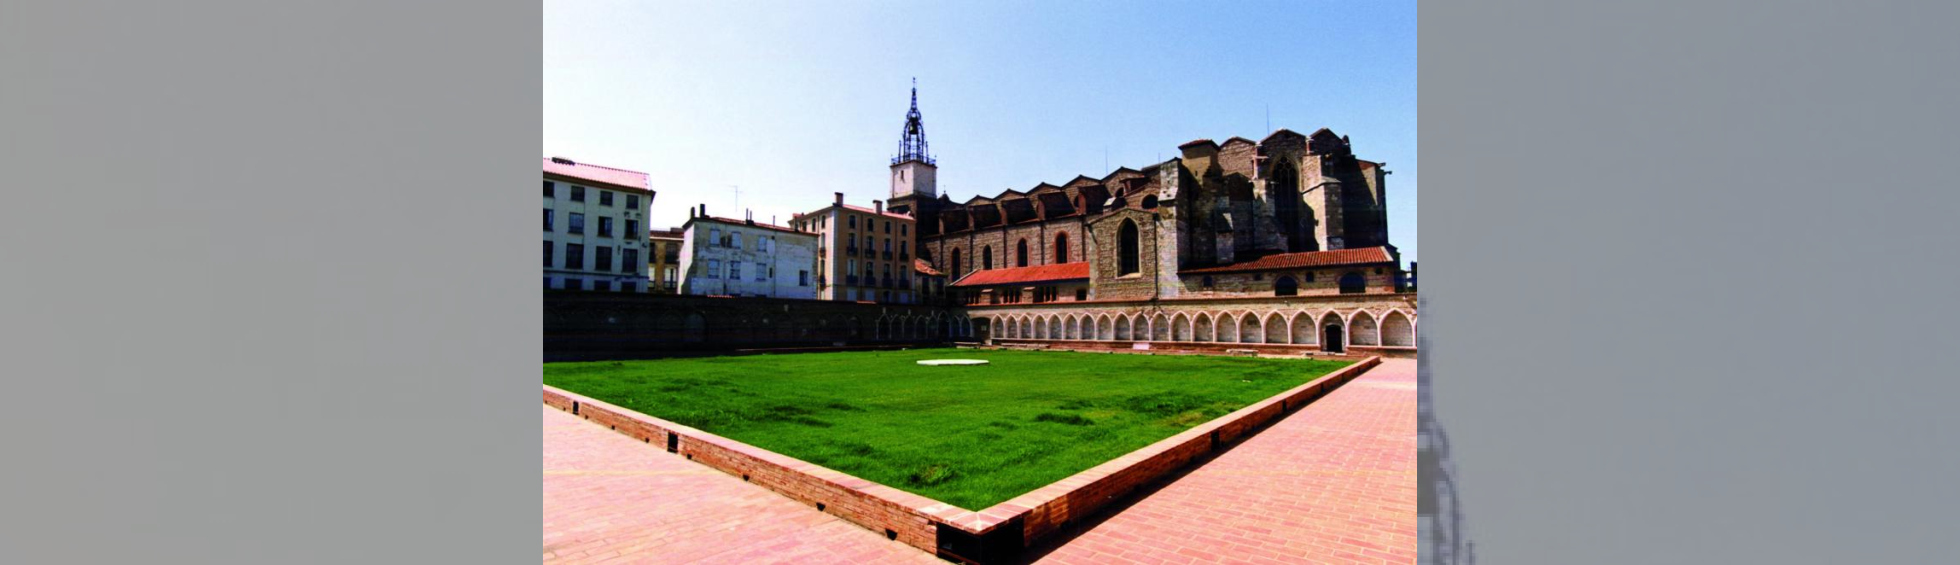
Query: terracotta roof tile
(735, 222)
(1022, 275)
(925, 268)
(1361, 256)
(871, 211)
(596, 173)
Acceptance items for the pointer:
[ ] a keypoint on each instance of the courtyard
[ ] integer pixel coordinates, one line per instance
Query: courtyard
(970, 436)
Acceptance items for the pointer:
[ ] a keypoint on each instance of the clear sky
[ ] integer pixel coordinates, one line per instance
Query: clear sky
(792, 101)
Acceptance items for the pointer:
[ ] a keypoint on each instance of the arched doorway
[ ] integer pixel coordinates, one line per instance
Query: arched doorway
(1332, 341)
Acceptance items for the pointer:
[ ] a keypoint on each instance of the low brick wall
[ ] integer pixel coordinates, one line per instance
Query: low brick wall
(996, 534)
(1202, 348)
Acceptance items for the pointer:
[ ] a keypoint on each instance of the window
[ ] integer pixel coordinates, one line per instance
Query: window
(1353, 283)
(714, 269)
(1285, 287)
(1256, 277)
(605, 198)
(601, 285)
(633, 201)
(575, 223)
(602, 259)
(901, 250)
(574, 284)
(632, 228)
(547, 254)
(901, 229)
(1021, 253)
(956, 272)
(735, 240)
(1126, 249)
(1206, 282)
(578, 193)
(574, 256)
(547, 219)
(714, 237)
(888, 245)
(888, 227)
(605, 226)
(1081, 294)
(761, 274)
(1061, 248)
(734, 270)
(548, 186)
(1150, 202)
(986, 257)
(854, 222)
(1309, 276)
(802, 278)
(629, 260)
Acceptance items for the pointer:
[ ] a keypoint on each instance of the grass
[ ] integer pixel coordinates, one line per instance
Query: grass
(969, 436)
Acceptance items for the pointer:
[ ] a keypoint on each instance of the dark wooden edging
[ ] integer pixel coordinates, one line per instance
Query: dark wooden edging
(996, 534)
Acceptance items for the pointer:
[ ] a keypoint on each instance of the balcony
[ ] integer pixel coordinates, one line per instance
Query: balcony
(902, 257)
(850, 252)
(851, 280)
(888, 255)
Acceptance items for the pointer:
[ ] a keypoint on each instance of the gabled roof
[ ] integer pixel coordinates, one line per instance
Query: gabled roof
(621, 178)
(1026, 275)
(1337, 257)
(1279, 132)
(1198, 142)
(1237, 139)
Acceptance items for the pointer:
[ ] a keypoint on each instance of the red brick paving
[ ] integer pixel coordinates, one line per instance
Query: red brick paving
(1334, 482)
(611, 499)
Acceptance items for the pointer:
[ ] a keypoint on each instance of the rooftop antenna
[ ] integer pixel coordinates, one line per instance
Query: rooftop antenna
(1269, 118)
(737, 190)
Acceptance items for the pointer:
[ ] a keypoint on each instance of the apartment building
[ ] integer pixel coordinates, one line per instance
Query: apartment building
(730, 257)
(594, 218)
(863, 254)
(663, 275)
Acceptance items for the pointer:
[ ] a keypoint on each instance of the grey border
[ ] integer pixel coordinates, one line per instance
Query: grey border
(258, 305)
(1690, 260)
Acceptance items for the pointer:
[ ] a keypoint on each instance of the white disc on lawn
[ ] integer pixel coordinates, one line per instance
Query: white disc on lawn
(938, 362)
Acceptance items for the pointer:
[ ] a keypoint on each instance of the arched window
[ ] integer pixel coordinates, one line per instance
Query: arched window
(1021, 253)
(1353, 283)
(1126, 249)
(956, 264)
(1150, 202)
(987, 258)
(1061, 248)
(1285, 287)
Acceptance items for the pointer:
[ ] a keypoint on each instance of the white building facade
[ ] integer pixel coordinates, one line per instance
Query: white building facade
(595, 235)
(729, 257)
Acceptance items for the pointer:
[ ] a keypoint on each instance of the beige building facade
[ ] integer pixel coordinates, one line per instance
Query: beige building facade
(594, 221)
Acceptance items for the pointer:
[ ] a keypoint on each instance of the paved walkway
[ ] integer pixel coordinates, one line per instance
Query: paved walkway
(611, 499)
(1334, 482)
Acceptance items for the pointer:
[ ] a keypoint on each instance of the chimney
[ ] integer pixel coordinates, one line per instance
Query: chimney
(748, 216)
(840, 198)
(880, 204)
(704, 210)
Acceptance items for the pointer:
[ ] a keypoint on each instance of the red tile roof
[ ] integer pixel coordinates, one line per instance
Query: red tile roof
(871, 211)
(925, 268)
(1361, 256)
(596, 173)
(1023, 275)
(735, 222)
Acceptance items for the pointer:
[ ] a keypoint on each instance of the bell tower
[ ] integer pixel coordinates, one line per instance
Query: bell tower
(914, 172)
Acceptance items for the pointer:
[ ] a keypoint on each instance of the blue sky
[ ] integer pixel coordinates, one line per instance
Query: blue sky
(791, 102)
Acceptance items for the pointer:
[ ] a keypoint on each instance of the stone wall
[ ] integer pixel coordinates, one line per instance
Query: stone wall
(595, 325)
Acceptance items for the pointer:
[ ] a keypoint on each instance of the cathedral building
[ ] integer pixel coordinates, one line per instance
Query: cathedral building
(1218, 242)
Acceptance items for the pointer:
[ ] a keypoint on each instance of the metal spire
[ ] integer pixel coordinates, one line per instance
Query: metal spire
(912, 147)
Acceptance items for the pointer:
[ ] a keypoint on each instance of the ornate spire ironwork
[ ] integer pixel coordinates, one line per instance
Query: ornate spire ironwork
(912, 147)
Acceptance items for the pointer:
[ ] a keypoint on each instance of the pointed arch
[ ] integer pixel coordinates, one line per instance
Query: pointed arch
(1054, 327)
(1105, 328)
(1250, 329)
(1303, 330)
(1397, 330)
(1275, 328)
(1160, 328)
(1040, 327)
(1228, 327)
(1364, 329)
(956, 266)
(1061, 247)
(1127, 254)
(1201, 327)
(1338, 324)
(1181, 327)
(1021, 253)
(1122, 327)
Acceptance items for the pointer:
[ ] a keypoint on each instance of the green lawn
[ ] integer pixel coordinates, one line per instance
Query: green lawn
(969, 436)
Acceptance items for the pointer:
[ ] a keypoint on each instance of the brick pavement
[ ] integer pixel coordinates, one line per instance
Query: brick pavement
(611, 499)
(1334, 482)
